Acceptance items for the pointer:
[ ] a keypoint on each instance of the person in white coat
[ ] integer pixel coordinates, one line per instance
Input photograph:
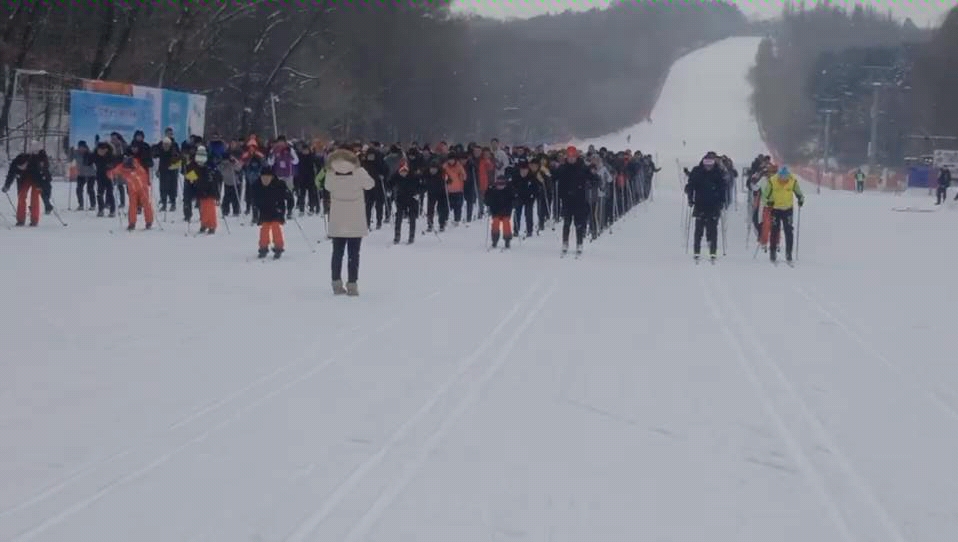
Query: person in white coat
(346, 182)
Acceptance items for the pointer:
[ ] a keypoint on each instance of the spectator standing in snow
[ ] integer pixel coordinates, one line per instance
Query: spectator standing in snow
(346, 182)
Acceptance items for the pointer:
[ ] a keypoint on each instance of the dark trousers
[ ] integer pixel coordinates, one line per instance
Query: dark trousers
(104, 195)
(433, 201)
(374, 198)
(942, 194)
(781, 220)
(470, 199)
(121, 194)
(169, 178)
(231, 200)
(455, 202)
(188, 197)
(708, 225)
(307, 196)
(341, 245)
(542, 207)
(577, 212)
(90, 184)
(410, 210)
(526, 206)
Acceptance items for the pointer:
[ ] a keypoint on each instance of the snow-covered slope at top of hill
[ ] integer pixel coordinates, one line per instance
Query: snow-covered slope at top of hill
(704, 105)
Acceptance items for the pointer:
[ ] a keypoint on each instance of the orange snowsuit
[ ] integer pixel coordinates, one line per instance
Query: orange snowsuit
(456, 175)
(486, 170)
(138, 189)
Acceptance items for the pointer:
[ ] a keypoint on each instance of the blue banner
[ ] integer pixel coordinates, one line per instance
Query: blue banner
(176, 113)
(94, 114)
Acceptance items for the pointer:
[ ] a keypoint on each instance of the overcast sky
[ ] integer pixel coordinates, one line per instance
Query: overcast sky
(923, 12)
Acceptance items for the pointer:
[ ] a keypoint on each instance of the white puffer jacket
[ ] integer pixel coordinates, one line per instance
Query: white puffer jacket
(347, 182)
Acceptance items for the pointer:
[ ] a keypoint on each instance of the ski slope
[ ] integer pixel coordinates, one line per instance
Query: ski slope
(157, 387)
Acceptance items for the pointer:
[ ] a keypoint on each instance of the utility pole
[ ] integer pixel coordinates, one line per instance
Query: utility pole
(873, 138)
(827, 150)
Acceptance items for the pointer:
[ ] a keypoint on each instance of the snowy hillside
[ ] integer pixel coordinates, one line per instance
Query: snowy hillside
(158, 387)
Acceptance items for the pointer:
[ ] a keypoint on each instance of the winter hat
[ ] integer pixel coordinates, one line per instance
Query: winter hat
(783, 171)
(572, 151)
(403, 166)
(522, 163)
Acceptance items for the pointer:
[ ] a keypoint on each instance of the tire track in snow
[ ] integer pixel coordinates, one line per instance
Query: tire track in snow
(808, 470)
(932, 395)
(116, 483)
(858, 482)
(361, 528)
(306, 528)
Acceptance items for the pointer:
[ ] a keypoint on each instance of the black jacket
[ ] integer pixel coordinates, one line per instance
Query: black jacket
(706, 191)
(406, 188)
(527, 188)
(270, 201)
(499, 198)
(32, 168)
(573, 181)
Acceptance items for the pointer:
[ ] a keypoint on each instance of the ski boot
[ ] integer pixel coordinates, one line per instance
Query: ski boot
(352, 290)
(713, 257)
(262, 253)
(277, 253)
(495, 241)
(578, 250)
(508, 241)
(338, 287)
(131, 227)
(697, 258)
(565, 248)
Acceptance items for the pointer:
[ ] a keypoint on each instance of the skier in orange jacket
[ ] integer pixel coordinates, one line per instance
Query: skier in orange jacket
(138, 187)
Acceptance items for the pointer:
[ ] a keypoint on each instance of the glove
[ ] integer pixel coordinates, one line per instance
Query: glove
(769, 203)
(801, 201)
(691, 203)
(6, 189)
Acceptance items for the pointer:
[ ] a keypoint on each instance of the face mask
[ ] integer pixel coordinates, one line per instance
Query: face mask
(201, 159)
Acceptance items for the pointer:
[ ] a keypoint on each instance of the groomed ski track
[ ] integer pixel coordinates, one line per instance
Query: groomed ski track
(160, 388)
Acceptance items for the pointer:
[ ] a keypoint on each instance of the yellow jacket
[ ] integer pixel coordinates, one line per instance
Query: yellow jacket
(780, 191)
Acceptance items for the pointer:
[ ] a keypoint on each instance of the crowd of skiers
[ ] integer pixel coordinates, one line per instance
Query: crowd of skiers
(522, 189)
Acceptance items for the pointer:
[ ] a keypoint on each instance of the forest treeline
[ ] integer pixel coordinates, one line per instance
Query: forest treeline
(830, 63)
(387, 70)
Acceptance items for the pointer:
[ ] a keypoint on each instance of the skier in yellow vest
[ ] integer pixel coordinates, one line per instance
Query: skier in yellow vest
(779, 194)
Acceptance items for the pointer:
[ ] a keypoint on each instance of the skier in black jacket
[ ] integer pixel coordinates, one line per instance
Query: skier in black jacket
(269, 197)
(406, 187)
(706, 192)
(526, 187)
(573, 181)
(499, 198)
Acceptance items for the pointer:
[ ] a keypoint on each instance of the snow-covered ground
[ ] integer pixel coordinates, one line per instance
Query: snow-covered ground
(156, 387)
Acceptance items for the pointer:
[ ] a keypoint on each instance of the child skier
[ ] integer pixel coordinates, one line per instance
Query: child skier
(270, 200)
(499, 199)
(406, 186)
(138, 186)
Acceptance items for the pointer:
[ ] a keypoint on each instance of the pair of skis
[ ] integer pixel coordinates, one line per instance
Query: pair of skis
(565, 252)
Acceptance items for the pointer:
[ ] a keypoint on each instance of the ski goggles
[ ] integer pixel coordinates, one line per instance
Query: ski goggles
(708, 162)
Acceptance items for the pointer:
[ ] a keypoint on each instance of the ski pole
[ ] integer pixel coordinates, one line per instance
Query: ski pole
(6, 221)
(798, 231)
(302, 231)
(56, 213)
(688, 231)
(724, 230)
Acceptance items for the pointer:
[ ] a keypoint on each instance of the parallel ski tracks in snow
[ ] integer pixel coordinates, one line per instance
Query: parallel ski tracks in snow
(306, 529)
(314, 350)
(726, 312)
(931, 394)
